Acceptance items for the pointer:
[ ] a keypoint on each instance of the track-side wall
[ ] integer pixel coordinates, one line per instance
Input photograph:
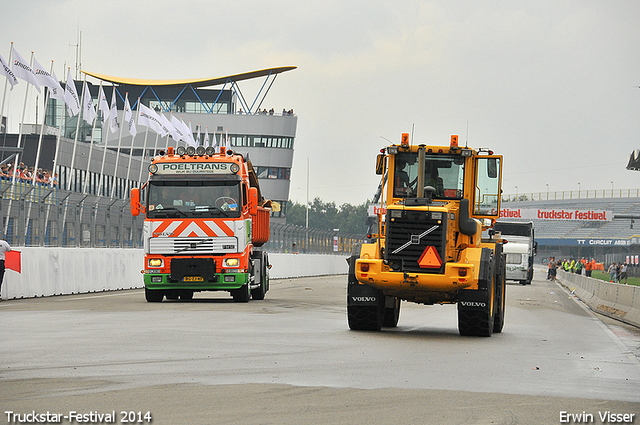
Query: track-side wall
(60, 271)
(622, 302)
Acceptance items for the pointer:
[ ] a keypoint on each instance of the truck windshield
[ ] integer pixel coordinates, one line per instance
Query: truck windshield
(445, 173)
(193, 199)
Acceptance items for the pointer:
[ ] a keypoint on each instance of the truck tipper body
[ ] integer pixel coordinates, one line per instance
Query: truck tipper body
(426, 244)
(520, 248)
(205, 219)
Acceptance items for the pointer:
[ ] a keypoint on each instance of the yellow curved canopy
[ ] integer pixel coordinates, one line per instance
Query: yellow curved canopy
(198, 82)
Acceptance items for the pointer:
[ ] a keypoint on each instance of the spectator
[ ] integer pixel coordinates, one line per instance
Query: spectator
(612, 272)
(588, 267)
(4, 247)
(623, 273)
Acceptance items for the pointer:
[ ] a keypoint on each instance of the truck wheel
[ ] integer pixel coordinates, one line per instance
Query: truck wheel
(259, 292)
(242, 294)
(186, 294)
(391, 314)
(153, 295)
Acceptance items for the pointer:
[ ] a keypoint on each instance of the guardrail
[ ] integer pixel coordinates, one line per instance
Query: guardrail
(621, 302)
(64, 271)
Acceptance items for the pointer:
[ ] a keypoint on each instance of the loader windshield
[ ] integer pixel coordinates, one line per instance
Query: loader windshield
(445, 173)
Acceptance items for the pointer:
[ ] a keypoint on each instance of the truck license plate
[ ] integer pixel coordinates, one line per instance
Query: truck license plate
(193, 279)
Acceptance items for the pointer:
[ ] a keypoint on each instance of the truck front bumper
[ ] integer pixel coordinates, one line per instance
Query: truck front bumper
(220, 282)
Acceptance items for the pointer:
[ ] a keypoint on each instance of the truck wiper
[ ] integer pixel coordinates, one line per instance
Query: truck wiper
(170, 210)
(210, 208)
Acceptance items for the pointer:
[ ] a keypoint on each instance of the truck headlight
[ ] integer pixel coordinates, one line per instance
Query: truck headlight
(231, 262)
(155, 262)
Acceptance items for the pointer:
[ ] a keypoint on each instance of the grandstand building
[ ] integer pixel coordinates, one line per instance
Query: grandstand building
(215, 108)
(600, 228)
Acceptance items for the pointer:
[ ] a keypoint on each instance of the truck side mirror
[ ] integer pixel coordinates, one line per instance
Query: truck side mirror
(135, 202)
(253, 200)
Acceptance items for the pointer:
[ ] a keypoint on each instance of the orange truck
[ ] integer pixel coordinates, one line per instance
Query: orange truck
(205, 220)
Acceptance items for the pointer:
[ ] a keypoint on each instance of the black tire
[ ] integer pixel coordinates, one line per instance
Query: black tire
(171, 295)
(478, 322)
(260, 292)
(392, 314)
(153, 295)
(241, 295)
(186, 294)
(501, 298)
(365, 318)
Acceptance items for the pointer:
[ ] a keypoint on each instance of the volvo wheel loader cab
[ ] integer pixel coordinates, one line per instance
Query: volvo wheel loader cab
(426, 245)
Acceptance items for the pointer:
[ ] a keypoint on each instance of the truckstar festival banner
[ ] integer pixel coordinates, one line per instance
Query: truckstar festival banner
(556, 214)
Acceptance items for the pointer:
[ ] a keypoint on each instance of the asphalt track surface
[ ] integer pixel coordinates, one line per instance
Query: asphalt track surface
(291, 359)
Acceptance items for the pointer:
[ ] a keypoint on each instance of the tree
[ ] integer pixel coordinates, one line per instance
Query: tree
(325, 215)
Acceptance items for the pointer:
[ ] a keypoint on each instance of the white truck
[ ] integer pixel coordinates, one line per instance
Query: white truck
(520, 248)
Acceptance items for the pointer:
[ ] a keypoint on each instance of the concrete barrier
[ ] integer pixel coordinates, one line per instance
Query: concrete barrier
(622, 302)
(60, 271)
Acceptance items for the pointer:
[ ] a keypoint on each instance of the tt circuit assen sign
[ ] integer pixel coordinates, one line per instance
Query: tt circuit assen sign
(556, 214)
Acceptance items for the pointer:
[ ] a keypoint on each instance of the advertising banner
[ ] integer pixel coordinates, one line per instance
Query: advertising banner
(556, 214)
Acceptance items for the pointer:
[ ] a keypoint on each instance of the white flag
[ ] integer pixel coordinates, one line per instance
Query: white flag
(206, 137)
(190, 140)
(46, 79)
(128, 117)
(198, 137)
(114, 125)
(168, 127)
(8, 73)
(57, 92)
(23, 70)
(149, 118)
(103, 105)
(180, 129)
(88, 108)
(71, 96)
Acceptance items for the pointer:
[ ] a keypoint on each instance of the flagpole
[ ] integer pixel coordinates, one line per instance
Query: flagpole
(93, 129)
(44, 118)
(104, 151)
(115, 170)
(75, 139)
(4, 93)
(146, 134)
(17, 159)
(35, 167)
(133, 138)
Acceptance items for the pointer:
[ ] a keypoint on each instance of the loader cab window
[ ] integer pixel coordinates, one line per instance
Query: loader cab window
(443, 172)
(193, 199)
(487, 188)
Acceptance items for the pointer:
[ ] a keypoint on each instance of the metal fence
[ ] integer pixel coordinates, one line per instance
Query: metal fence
(36, 215)
(571, 194)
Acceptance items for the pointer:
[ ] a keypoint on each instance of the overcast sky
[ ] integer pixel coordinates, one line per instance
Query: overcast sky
(551, 85)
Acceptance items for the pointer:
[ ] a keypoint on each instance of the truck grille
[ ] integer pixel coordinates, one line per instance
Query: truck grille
(409, 236)
(193, 246)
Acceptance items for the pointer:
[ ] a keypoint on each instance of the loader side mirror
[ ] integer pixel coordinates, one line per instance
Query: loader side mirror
(380, 164)
(492, 168)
